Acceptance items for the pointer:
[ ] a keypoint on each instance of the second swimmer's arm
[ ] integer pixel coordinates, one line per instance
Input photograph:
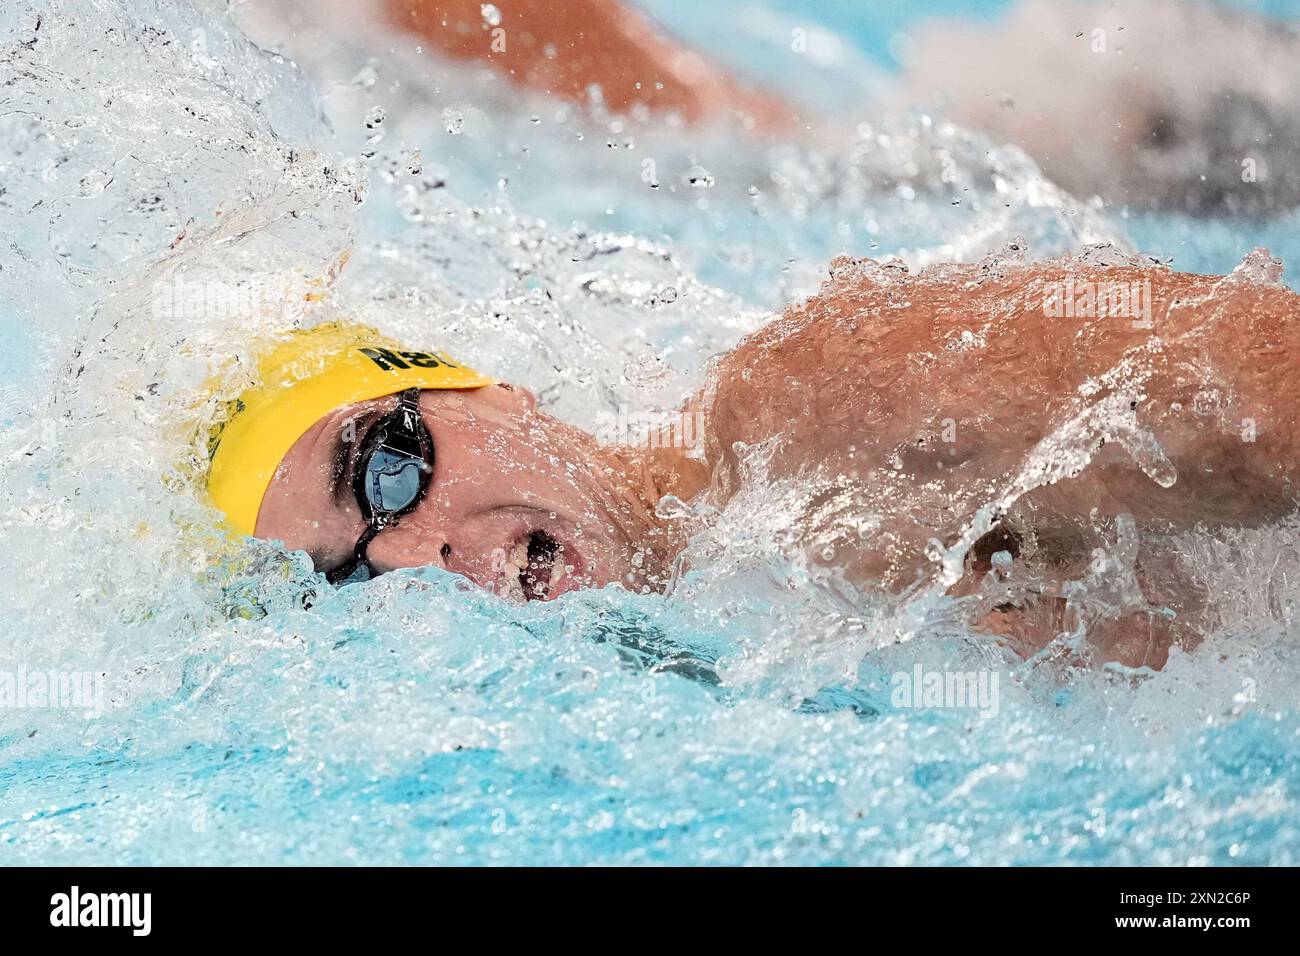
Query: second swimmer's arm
(568, 47)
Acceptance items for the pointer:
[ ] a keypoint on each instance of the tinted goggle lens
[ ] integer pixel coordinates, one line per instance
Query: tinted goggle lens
(393, 481)
(393, 472)
(396, 464)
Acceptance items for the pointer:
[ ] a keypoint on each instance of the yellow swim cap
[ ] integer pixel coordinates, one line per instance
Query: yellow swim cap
(302, 379)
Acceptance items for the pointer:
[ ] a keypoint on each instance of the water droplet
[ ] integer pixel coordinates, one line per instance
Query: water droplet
(491, 15)
(1261, 266)
(1105, 254)
(94, 182)
(453, 120)
(375, 117)
(366, 77)
(699, 177)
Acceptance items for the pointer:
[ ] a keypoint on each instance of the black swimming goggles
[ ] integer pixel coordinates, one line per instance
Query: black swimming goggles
(393, 471)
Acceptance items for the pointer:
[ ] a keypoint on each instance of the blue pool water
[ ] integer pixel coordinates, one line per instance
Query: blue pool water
(240, 711)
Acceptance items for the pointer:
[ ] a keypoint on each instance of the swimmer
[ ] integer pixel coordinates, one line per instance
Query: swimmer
(961, 405)
(371, 456)
(1158, 103)
(574, 49)
(1152, 103)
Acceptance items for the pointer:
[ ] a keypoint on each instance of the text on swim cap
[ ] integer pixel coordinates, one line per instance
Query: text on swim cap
(390, 361)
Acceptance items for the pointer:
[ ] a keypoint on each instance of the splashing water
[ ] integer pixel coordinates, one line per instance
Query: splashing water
(173, 189)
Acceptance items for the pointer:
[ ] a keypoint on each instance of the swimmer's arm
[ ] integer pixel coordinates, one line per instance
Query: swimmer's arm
(914, 404)
(567, 47)
(870, 376)
(811, 380)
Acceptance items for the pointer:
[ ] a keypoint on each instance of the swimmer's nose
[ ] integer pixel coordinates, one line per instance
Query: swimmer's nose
(428, 536)
(418, 539)
(392, 550)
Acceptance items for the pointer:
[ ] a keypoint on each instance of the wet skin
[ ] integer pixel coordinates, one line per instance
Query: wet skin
(919, 400)
(913, 399)
(879, 402)
(505, 477)
(569, 49)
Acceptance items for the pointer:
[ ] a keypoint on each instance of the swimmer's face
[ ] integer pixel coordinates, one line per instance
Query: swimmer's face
(511, 487)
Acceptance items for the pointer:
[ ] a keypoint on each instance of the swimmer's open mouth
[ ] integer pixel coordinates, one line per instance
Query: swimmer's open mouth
(534, 568)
